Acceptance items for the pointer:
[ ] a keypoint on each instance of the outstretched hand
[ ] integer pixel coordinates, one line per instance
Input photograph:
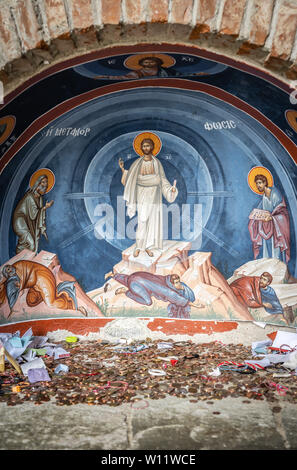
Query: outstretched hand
(267, 305)
(173, 189)
(108, 275)
(121, 164)
(49, 204)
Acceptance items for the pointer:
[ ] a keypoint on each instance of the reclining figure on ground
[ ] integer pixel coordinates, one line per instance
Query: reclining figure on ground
(41, 285)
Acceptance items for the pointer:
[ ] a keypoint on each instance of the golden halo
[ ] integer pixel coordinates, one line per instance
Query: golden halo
(291, 117)
(147, 135)
(46, 172)
(7, 125)
(132, 62)
(259, 170)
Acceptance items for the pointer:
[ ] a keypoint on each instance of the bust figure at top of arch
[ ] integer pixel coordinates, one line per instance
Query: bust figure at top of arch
(151, 65)
(269, 224)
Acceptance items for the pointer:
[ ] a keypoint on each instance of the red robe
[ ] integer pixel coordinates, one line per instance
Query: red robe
(278, 228)
(247, 291)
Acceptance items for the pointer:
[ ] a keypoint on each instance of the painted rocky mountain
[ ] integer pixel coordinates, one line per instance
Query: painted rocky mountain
(197, 271)
(21, 311)
(284, 284)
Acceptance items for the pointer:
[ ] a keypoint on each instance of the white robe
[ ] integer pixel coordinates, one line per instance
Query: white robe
(143, 193)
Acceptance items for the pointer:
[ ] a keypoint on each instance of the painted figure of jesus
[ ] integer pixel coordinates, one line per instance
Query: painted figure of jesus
(145, 182)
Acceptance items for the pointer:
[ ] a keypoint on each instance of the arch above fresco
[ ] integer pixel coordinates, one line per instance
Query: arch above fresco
(184, 233)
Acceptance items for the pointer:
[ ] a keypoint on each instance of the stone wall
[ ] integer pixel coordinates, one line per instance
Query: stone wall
(35, 34)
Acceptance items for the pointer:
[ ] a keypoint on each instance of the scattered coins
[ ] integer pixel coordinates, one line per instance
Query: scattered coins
(128, 376)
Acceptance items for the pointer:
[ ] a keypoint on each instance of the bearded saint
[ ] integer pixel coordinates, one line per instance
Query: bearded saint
(145, 182)
(256, 292)
(271, 236)
(29, 216)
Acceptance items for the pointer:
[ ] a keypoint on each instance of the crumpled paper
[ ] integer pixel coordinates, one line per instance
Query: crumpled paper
(38, 375)
(35, 364)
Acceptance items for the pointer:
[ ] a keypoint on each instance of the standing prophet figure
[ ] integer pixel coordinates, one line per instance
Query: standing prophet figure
(29, 216)
(145, 182)
(270, 228)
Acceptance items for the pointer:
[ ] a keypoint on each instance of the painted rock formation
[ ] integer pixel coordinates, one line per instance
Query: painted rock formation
(283, 283)
(21, 310)
(209, 286)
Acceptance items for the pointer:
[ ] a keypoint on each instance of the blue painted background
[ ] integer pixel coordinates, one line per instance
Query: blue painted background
(200, 160)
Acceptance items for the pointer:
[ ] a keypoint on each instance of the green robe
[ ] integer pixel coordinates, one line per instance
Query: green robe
(29, 222)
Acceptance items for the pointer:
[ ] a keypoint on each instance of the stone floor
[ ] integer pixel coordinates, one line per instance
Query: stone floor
(170, 424)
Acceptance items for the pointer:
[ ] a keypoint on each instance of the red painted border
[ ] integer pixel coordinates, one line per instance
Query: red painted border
(165, 47)
(176, 83)
(84, 326)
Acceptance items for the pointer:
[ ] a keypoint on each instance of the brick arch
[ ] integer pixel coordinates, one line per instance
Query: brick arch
(35, 34)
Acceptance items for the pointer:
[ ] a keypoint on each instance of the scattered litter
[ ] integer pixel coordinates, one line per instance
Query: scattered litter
(240, 368)
(38, 341)
(157, 372)
(35, 364)
(169, 358)
(285, 341)
(261, 345)
(281, 375)
(30, 355)
(28, 333)
(132, 349)
(281, 390)
(5, 336)
(259, 364)
(71, 339)
(189, 370)
(49, 350)
(259, 323)
(215, 373)
(277, 358)
(15, 345)
(164, 345)
(4, 355)
(40, 352)
(61, 368)
(120, 341)
(291, 361)
(60, 353)
(38, 375)
(2, 358)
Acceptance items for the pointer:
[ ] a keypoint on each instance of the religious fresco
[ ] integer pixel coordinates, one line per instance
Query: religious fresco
(144, 182)
(136, 66)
